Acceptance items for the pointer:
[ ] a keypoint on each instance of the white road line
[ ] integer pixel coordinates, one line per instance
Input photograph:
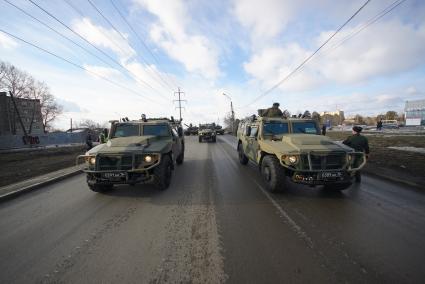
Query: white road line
(286, 216)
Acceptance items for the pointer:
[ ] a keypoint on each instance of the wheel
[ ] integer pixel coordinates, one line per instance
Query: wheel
(273, 174)
(243, 159)
(358, 177)
(180, 158)
(100, 187)
(163, 173)
(200, 139)
(337, 186)
(214, 139)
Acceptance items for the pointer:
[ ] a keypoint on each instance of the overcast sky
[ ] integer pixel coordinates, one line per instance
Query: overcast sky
(240, 47)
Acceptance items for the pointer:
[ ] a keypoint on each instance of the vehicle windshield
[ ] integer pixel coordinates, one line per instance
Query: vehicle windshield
(307, 127)
(126, 130)
(156, 130)
(274, 129)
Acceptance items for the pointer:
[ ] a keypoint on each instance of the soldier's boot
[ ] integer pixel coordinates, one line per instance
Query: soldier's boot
(358, 177)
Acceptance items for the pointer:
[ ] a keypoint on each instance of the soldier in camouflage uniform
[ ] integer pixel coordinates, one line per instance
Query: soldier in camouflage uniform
(273, 111)
(358, 143)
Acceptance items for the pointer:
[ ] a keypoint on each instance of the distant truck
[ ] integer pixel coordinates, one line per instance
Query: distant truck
(138, 151)
(292, 150)
(191, 130)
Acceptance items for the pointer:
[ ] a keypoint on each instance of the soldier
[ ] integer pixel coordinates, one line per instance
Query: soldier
(273, 111)
(358, 143)
(103, 136)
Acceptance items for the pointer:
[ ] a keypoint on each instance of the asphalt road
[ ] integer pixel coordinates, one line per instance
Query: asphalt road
(216, 223)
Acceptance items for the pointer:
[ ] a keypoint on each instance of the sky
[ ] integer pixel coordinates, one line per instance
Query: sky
(128, 57)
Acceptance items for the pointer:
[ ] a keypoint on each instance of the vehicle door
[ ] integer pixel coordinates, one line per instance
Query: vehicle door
(177, 146)
(252, 143)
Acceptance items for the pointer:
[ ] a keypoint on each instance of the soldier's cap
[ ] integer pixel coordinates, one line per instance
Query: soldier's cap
(357, 129)
(276, 104)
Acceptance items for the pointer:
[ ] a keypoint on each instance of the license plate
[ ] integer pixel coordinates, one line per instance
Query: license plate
(331, 174)
(113, 175)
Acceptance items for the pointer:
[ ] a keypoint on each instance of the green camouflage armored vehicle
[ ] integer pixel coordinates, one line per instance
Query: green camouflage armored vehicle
(138, 151)
(207, 132)
(292, 150)
(219, 130)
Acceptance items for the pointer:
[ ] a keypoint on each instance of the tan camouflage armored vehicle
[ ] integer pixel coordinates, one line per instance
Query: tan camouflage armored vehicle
(292, 150)
(207, 132)
(138, 151)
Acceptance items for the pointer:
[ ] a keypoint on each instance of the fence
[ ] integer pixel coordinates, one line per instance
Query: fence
(60, 138)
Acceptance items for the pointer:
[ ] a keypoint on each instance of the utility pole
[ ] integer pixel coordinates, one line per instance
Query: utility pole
(180, 102)
(232, 112)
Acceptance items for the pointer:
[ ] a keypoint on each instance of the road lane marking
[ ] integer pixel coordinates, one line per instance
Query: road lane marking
(300, 232)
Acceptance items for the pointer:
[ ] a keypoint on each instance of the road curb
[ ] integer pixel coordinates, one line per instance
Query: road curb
(35, 186)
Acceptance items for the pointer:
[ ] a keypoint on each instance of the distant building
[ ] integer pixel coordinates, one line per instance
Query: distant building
(29, 110)
(415, 112)
(332, 118)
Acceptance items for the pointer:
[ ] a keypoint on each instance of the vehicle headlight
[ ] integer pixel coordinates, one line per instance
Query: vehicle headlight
(92, 160)
(350, 157)
(293, 159)
(148, 159)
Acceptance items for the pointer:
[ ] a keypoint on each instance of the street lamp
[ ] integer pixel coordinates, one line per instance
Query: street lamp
(233, 113)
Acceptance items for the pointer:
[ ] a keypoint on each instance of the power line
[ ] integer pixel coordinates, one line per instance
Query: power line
(123, 37)
(140, 39)
(76, 65)
(98, 49)
(371, 21)
(60, 34)
(308, 58)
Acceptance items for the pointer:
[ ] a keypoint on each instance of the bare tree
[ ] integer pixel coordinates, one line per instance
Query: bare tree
(17, 83)
(50, 109)
(91, 124)
(21, 85)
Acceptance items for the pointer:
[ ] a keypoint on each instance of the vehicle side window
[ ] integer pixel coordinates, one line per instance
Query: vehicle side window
(245, 129)
(254, 131)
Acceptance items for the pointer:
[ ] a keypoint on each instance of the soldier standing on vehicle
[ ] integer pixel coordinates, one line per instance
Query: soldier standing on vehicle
(103, 136)
(273, 111)
(358, 143)
(89, 141)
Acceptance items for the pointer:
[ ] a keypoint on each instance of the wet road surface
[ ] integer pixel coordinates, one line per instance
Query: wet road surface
(216, 223)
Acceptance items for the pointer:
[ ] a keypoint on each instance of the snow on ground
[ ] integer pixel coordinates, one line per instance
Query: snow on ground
(409, 149)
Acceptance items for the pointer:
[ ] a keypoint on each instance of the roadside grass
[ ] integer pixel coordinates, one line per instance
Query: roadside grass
(18, 166)
(411, 163)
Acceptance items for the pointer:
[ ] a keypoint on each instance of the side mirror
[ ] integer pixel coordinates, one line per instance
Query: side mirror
(248, 131)
(180, 131)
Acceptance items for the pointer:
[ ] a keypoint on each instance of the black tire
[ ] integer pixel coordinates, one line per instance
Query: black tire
(163, 173)
(358, 177)
(180, 158)
(337, 186)
(243, 159)
(101, 187)
(273, 174)
(200, 139)
(214, 139)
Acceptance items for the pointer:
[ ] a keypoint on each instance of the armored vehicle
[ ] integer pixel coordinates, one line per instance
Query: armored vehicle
(191, 130)
(138, 151)
(207, 132)
(219, 130)
(292, 150)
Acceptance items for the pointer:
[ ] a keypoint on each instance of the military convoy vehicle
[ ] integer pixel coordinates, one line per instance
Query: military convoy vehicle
(292, 150)
(138, 151)
(207, 132)
(191, 130)
(219, 130)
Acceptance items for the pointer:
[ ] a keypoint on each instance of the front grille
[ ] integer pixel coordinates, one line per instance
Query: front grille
(325, 161)
(115, 162)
